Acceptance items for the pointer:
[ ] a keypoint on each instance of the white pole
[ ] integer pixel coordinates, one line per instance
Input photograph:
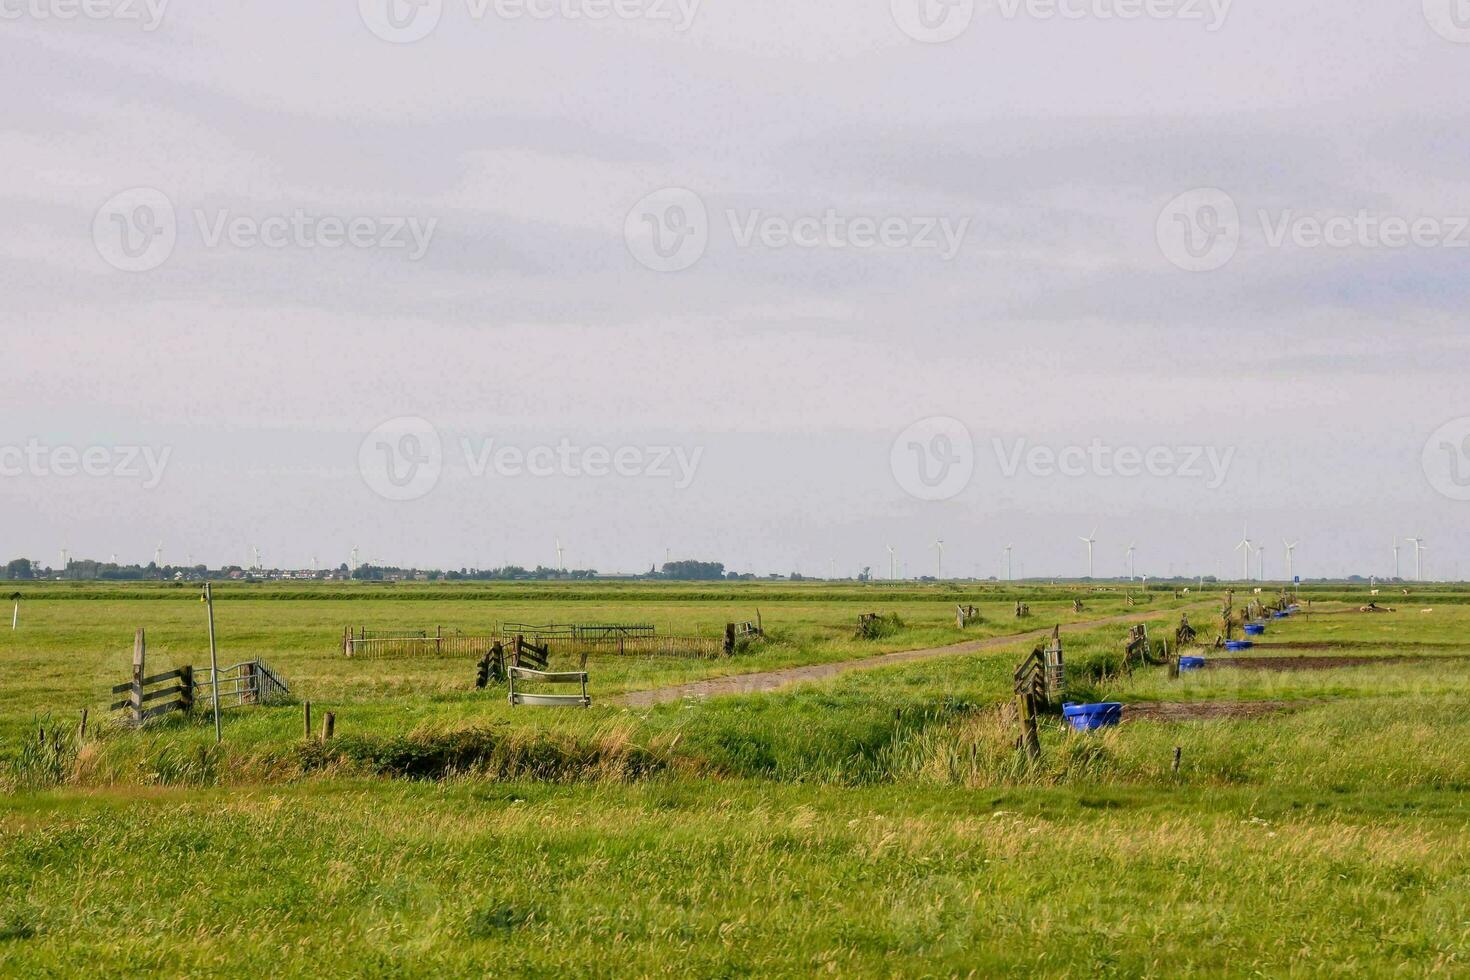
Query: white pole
(213, 664)
(15, 616)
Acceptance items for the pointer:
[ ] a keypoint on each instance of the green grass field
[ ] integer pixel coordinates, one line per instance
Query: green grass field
(876, 823)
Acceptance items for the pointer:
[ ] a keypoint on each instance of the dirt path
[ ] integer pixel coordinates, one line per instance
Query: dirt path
(770, 680)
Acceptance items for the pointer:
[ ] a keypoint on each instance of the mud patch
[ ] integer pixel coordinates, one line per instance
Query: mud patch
(1206, 710)
(1359, 645)
(1321, 663)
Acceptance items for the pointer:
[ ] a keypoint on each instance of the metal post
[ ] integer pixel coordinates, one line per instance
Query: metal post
(213, 665)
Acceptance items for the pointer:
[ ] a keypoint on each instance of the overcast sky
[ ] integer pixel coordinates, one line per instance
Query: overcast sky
(779, 283)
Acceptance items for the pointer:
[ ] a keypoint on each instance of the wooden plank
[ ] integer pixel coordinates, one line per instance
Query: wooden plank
(162, 709)
(565, 677)
(155, 679)
(154, 696)
(170, 675)
(161, 693)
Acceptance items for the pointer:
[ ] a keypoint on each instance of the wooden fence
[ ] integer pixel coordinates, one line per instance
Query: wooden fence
(382, 644)
(452, 643)
(579, 631)
(149, 696)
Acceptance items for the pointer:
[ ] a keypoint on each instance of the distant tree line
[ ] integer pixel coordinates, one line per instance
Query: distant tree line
(510, 573)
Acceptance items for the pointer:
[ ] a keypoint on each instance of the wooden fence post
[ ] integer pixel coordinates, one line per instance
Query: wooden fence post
(329, 725)
(729, 639)
(249, 684)
(135, 696)
(306, 710)
(82, 728)
(1030, 737)
(438, 640)
(186, 696)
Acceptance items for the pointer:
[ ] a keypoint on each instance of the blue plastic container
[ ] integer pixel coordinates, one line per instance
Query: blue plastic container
(1090, 717)
(1279, 615)
(1235, 646)
(1255, 629)
(1191, 663)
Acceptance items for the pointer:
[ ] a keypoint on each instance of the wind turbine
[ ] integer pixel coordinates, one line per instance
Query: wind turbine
(1418, 549)
(1245, 543)
(940, 546)
(1132, 547)
(256, 549)
(355, 566)
(892, 563)
(1396, 575)
(158, 555)
(1290, 549)
(1090, 540)
(1008, 562)
(560, 565)
(1260, 564)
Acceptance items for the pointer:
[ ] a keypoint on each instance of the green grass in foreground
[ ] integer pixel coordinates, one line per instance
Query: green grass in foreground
(730, 879)
(877, 824)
